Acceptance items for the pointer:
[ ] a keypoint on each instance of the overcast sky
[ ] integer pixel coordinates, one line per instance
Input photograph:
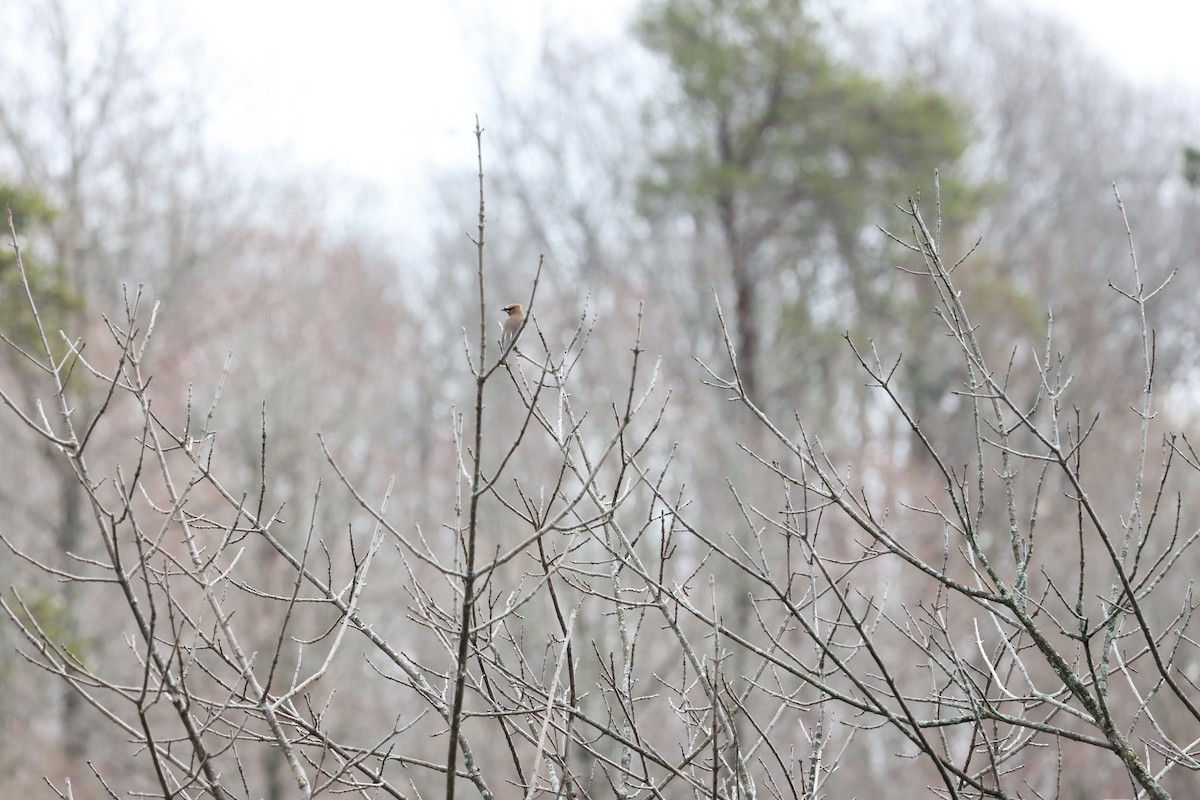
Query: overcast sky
(301, 83)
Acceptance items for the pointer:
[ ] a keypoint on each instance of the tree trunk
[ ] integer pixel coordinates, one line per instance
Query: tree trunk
(745, 291)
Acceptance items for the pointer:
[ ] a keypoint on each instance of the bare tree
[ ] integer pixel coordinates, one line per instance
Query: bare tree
(83, 124)
(191, 692)
(593, 580)
(1001, 651)
(564, 633)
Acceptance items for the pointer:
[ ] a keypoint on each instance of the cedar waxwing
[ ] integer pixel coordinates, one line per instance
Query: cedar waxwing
(511, 326)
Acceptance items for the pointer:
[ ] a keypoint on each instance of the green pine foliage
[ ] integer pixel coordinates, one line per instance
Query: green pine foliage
(56, 299)
(799, 156)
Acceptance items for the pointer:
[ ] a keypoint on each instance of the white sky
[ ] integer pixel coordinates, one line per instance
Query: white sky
(385, 91)
(1151, 39)
(378, 90)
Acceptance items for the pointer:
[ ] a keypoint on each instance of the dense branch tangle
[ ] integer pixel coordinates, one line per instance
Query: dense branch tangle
(1023, 659)
(583, 631)
(180, 572)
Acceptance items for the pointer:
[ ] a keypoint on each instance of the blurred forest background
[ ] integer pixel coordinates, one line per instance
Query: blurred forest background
(743, 152)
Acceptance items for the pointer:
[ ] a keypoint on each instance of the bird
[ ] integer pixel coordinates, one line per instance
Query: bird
(511, 327)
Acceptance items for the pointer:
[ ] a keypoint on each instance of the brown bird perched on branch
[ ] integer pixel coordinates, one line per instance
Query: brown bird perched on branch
(511, 327)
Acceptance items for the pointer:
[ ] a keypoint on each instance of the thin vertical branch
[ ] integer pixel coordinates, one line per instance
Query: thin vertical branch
(477, 490)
